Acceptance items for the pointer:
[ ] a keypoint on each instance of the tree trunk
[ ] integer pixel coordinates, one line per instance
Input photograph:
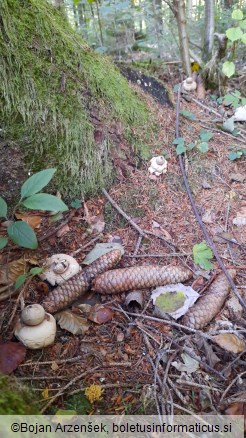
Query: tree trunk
(209, 30)
(179, 6)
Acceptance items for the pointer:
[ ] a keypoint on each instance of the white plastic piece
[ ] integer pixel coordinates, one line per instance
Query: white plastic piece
(190, 298)
(59, 268)
(158, 165)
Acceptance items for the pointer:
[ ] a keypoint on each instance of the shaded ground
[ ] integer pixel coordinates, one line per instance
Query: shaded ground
(129, 355)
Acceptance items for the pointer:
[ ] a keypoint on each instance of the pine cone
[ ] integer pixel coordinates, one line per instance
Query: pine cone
(140, 277)
(207, 307)
(67, 292)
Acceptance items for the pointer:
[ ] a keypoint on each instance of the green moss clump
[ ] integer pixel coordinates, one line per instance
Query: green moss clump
(16, 399)
(51, 84)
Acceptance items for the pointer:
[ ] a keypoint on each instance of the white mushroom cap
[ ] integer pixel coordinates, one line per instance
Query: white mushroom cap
(59, 268)
(33, 314)
(38, 336)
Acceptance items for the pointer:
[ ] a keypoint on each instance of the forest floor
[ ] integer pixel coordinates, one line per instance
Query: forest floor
(142, 364)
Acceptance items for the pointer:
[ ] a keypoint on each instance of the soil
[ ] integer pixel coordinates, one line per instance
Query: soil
(128, 355)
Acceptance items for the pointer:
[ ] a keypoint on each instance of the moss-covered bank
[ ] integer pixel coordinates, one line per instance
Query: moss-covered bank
(50, 84)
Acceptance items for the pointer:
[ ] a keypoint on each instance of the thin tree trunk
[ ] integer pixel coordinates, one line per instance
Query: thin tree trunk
(209, 30)
(189, 9)
(179, 6)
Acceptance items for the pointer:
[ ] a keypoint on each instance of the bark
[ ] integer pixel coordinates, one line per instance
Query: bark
(209, 30)
(179, 6)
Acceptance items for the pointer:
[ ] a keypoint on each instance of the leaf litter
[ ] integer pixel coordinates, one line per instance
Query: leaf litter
(114, 349)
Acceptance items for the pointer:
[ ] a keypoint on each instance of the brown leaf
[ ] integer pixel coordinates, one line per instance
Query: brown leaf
(11, 355)
(100, 314)
(63, 230)
(54, 366)
(237, 408)
(72, 323)
(229, 342)
(32, 220)
(12, 270)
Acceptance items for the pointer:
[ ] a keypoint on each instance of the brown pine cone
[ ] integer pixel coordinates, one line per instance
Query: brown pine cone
(67, 292)
(140, 277)
(207, 307)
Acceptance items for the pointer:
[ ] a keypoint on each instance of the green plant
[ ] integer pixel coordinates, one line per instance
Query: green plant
(201, 144)
(235, 35)
(16, 399)
(18, 231)
(234, 99)
(235, 153)
(202, 254)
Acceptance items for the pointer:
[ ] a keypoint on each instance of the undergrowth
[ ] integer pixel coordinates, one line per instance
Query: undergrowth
(16, 399)
(51, 82)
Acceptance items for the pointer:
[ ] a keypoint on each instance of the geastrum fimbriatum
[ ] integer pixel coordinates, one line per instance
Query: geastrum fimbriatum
(158, 165)
(59, 268)
(189, 84)
(35, 328)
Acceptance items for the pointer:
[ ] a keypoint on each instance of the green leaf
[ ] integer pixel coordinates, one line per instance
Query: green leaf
(76, 203)
(237, 14)
(234, 155)
(230, 99)
(43, 201)
(202, 254)
(3, 208)
(205, 135)
(36, 182)
(228, 125)
(228, 68)
(35, 271)
(179, 141)
(243, 39)
(20, 280)
(3, 242)
(234, 33)
(180, 149)
(22, 234)
(203, 147)
(188, 115)
(243, 24)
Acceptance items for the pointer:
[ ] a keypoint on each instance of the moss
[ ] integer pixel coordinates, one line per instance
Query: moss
(16, 399)
(50, 83)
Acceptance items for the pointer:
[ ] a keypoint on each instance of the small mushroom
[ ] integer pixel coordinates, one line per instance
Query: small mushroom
(59, 268)
(35, 328)
(158, 165)
(189, 84)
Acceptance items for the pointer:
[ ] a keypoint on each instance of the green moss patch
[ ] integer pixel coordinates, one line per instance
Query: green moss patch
(52, 85)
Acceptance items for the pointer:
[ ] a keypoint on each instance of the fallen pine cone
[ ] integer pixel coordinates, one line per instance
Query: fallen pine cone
(209, 305)
(139, 277)
(67, 292)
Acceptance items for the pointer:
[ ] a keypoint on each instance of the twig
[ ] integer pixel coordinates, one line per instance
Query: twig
(197, 385)
(174, 254)
(233, 362)
(138, 244)
(106, 386)
(65, 222)
(230, 385)
(75, 379)
(220, 131)
(44, 378)
(142, 233)
(50, 362)
(20, 296)
(197, 214)
(72, 254)
(211, 110)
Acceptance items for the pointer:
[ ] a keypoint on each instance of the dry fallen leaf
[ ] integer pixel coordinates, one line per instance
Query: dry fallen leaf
(72, 323)
(229, 342)
(54, 366)
(11, 271)
(63, 230)
(32, 220)
(12, 354)
(240, 219)
(134, 299)
(100, 314)
(238, 408)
